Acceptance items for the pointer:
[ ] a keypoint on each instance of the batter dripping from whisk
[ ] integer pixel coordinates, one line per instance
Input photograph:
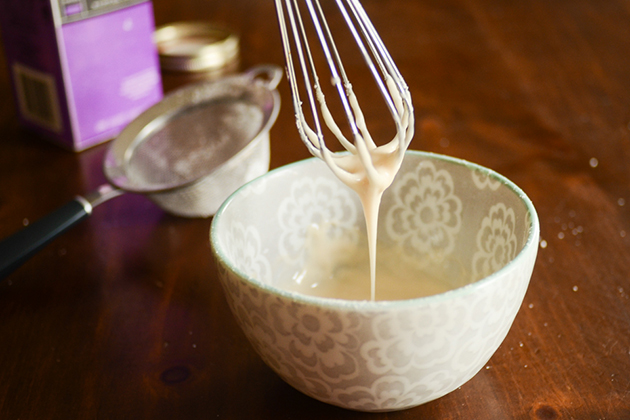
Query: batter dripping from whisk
(368, 169)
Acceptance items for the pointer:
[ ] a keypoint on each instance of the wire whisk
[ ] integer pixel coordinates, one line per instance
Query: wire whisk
(292, 15)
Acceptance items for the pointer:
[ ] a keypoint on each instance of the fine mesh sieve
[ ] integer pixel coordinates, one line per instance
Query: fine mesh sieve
(198, 145)
(198, 139)
(187, 153)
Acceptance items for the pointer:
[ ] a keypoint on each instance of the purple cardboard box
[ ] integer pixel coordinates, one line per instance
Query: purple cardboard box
(81, 69)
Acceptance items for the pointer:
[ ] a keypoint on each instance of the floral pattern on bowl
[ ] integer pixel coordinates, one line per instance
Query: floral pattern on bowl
(379, 356)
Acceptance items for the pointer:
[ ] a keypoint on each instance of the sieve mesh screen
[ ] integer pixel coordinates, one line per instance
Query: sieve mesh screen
(194, 142)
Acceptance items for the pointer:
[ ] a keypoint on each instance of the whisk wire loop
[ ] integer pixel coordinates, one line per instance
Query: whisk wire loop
(377, 58)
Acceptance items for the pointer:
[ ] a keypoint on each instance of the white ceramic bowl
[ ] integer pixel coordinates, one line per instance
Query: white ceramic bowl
(448, 214)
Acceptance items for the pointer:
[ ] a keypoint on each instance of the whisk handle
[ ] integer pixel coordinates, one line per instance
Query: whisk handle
(22, 245)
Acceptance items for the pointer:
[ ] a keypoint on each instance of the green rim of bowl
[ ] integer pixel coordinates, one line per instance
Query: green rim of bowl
(343, 304)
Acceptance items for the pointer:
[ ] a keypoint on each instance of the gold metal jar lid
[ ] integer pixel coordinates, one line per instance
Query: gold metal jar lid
(195, 46)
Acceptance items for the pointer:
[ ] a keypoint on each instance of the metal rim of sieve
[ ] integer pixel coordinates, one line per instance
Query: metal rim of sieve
(261, 81)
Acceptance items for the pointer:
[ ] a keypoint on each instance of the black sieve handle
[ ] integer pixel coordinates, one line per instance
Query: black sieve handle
(22, 245)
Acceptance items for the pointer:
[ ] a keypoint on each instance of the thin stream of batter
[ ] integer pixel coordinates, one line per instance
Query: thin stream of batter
(368, 169)
(337, 266)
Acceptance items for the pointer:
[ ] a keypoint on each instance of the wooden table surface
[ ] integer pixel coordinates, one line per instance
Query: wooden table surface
(123, 316)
